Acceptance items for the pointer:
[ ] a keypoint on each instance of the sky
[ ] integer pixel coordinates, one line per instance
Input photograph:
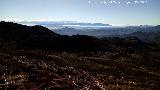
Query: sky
(113, 12)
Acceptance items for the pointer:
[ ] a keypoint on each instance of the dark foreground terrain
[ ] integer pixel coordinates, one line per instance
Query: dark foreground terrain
(34, 58)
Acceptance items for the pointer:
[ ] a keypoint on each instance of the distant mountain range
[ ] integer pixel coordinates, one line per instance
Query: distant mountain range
(107, 32)
(62, 24)
(39, 37)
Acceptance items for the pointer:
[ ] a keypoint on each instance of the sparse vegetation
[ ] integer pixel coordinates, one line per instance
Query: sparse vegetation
(114, 64)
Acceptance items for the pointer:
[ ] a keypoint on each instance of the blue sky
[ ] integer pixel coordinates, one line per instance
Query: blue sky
(82, 11)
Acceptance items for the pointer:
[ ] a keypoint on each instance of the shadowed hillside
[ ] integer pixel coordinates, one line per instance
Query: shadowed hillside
(39, 37)
(34, 37)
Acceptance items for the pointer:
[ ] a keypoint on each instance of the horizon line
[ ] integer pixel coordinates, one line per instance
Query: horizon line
(19, 21)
